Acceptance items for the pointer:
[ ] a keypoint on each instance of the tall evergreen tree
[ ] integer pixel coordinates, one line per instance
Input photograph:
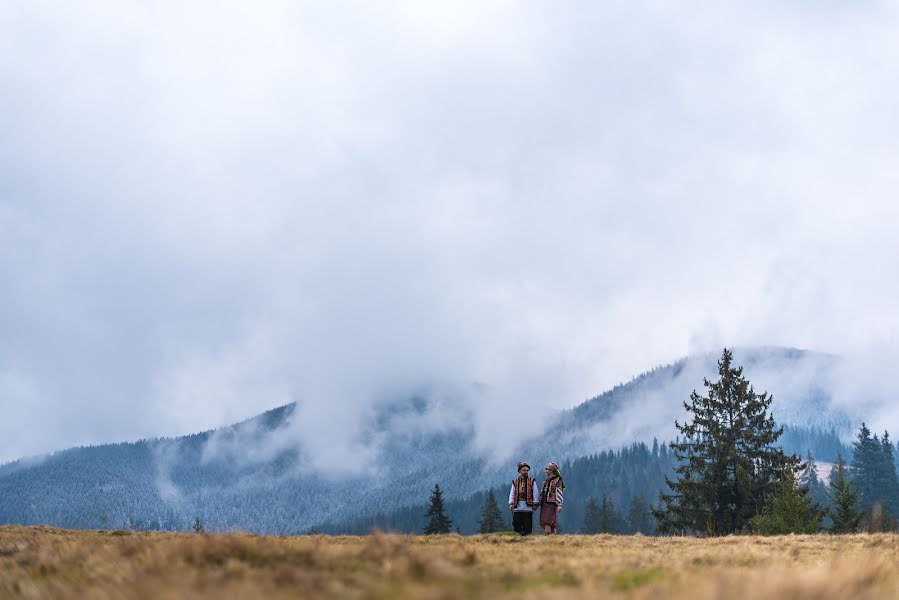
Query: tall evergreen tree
(844, 511)
(728, 464)
(888, 479)
(491, 517)
(864, 467)
(438, 522)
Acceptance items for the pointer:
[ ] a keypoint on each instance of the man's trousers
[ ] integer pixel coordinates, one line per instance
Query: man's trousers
(523, 522)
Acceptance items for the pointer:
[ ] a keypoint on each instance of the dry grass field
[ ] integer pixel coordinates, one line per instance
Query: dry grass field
(42, 562)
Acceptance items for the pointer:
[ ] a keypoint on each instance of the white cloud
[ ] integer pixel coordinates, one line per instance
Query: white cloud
(209, 208)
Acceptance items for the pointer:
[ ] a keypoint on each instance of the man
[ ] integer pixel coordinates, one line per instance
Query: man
(523, 499)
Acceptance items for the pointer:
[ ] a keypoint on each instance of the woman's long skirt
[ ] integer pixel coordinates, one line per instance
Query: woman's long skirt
(548, 514)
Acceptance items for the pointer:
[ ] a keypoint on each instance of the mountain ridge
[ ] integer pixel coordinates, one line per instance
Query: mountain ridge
(246, 476)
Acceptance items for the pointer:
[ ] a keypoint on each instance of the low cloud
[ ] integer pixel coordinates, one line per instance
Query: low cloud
(206, 212)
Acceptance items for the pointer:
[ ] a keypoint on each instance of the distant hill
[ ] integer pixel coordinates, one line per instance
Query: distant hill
(247, 476)
(800, 381)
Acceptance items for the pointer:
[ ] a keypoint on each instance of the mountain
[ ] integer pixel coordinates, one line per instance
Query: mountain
(802, 383)
(254, 476)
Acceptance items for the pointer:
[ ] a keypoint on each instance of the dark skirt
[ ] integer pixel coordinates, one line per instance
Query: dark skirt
(548, 514)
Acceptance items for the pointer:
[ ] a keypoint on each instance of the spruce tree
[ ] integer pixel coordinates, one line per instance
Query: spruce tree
(789, 510)
(591, 517)
(728, 465)
(608, 521)
(638, 517)
(491, 517)
(865, 468)
(888, 480)
(844, 510)
(438, 522)
(874, 471)
(811, 483)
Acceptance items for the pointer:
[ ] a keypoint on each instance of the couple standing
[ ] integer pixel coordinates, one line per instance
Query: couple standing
(524, 498)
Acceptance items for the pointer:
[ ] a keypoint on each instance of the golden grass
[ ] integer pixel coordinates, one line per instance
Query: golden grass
(42, 562)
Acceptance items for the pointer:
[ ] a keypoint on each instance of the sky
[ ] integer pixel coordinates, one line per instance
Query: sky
(210, 209)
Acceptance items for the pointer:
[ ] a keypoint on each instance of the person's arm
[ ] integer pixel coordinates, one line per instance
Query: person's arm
(536, 494)
(512, 497)
(558, 499)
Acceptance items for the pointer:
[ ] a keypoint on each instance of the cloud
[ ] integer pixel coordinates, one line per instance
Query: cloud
(209, 210)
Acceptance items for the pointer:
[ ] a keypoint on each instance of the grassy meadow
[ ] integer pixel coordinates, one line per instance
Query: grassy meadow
(42, 562)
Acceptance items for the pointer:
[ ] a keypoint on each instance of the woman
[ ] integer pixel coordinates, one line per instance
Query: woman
(551, 498)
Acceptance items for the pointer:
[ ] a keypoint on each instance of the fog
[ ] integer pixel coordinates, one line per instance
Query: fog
(207, 211)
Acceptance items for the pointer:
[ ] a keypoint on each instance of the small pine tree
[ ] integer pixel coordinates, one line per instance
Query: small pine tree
(491, 516)
(812, 484)
(638, 517)
(789, 510)
(438, 522)
(609, 519)
(198, 526)
(847, 517)
(808, 475)
(591, 517)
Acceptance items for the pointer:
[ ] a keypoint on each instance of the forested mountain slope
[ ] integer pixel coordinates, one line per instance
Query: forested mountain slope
(251, 476)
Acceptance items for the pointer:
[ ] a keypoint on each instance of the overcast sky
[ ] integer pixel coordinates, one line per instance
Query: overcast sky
(209, 209)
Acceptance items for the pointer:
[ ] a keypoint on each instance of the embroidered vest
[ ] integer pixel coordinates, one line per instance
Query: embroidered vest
(527, 493)
(548, 492)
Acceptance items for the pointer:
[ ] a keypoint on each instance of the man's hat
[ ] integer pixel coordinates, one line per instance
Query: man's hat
(523, 464)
